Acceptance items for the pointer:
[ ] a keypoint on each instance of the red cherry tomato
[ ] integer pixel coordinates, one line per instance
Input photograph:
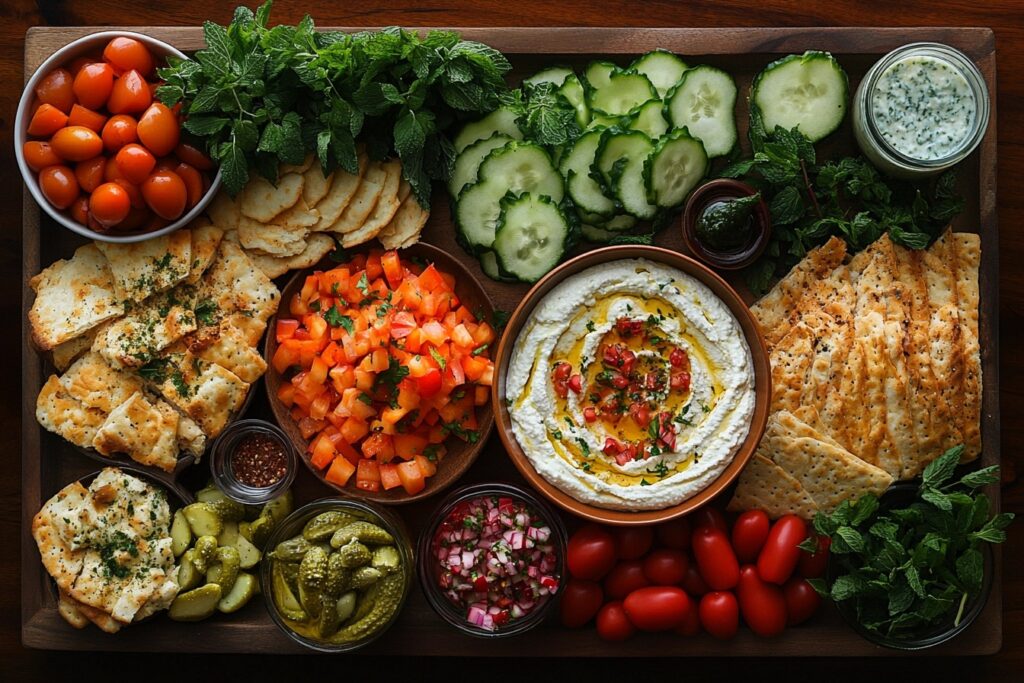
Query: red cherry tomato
(119, 131)
(111, 172)
(749, 532)
(715, 558)
(134, 194)
(59, 185)
(720, 614)
(80, 116)
(781, 551)
(135, 163)
(79, 210)
(46, 121)
(693, 583)
(709, 516)
(93, 84)
(762, 604)
(135, 219)
(632, 543)
(590, 553)
(674, 534)
(39, 155)
(57, 88)
(691, 626)
(193, 180)
(130, 94)
(127, 54)
(613, 623)
(657, 608)
(89, 173)
(580, 602)
(165, 193)
(813, 565)
(158, 129)
(626, 577)
(109, 204)
(76, 143)
(666, 567)
(192, 156)
(802, 601)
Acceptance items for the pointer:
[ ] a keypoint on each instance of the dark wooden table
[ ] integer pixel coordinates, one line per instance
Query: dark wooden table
(1006, 17)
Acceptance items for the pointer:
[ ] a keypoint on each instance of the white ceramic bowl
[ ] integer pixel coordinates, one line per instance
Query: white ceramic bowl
(92, 43)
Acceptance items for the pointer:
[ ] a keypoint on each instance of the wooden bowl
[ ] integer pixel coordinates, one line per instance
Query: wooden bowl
(751, 331)
(460, 454)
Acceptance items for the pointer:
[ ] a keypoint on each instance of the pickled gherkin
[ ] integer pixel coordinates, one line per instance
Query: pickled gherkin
(385, 558)
(205, 552)
(354, 554)
(365, 577)
(338, 576)
(224, 570)
(292, 550)
(323, 526)
(388, 597)
(364, 532)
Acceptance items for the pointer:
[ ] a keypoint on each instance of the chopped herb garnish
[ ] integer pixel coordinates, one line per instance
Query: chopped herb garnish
(363, 285)
(590, 326)
(584, 447)
(205, 312)
(438, 358)
(478, 350)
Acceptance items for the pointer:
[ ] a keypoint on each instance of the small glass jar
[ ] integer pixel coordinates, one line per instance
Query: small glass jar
(868, 129)
(222, 465)
(716, 192)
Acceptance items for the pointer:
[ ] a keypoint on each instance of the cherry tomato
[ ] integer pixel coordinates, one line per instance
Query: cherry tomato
(192, 156)
(93, 84)
(720, 614)
(110, 171)
(613, 623)
(691, 626)
(813, 565)
(165, 193)
(666, 567)
(674, 534)
(89, 173)
(590, 553)
(632, 542)
(119, 131)
(762, 604)
(58, 185)
(76, 143)
(134, 193)
(693, 582)
(657, 608)
(135, 163)
(626, 577)
(580, 602)
(749, 532)
(76, 64)
(130, 94)
(79, 210)
(715, 558)
(158, 129)
(80, 116)
(109, 204)
(781, 551)
(46, 121)
(127, 54)
(135, 219)
(39, 155)
(57, 89)
(802, 601)
(709, 516)
(193, 180)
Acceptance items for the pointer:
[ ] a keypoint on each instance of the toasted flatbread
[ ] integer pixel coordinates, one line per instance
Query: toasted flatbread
(315, 185)
(384, 210)
(343, 188)
(72, 297)
(59, 559)
(96, 384)
(235, 285)
(228, 348)
(141, 269)
(224, 212)
(251, 327)
(205, 240)
(362, 203)
(190, 437)
(763, 485)
(967, 247)
(147, 433)
(59, 412)
(275, 240)
(404, 189)
(207, 393)
(299, 216)
(261, 200)
(791, 362)
(406, 225)
(318, 245)
(102, 620)
(63, 355)
(151, 327)
(68, 608)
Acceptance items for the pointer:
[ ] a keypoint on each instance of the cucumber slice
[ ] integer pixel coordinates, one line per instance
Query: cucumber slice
(703, 102)
(531, 236)
(572, 90)
(620, 161)
(554, 74)
(599, 121)
(674, 168)
(619, 223)
(662, 68)
(586, 192)
(468, 163)
(597, 74)
(489, 264)
(807, 91)
(476, 214)
(501, 120)
(649, 118)
(623, 93)
(593, 233)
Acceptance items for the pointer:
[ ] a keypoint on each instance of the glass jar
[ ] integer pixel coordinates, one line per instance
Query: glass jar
(873, 125)
(222, 466)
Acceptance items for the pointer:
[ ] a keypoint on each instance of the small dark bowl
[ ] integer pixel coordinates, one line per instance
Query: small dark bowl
(223, 473)
(735, 259)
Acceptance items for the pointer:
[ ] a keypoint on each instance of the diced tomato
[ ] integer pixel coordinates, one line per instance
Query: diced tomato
(320, 405)
(484, 333)
(392, 267)
(389, 478)
(427, 467)
(340, 472)
(308, 427)
(286, 328)
(481, 395)
(379, 446)
(409, 445)
(368, 475)
(411, 477)
(323, 452)
(462, 337)
(430, 280)
(286, 394)
(430, 383)
(354, 429)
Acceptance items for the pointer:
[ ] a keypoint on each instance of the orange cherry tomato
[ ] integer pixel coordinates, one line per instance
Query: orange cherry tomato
(192, 156)
(93, 84)
(135, 219)
(119, 131)
(193, 180)
(57, 89)
(165, 193)
(154, 223)
(90, 173)
(76, 143)
(39, 155)
(135, 162)
(46, 121)
(59, 185)
(80, 210)
(128, 54)
(159, 129)
(76, 64)
(130, 94)
(110, 170)
(80, 116)
(109, 204)
(134, 193)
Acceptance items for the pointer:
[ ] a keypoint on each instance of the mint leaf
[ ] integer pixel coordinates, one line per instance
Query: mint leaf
(982, 477)
(411, 130)
(970, 568)
(846, 587)
(204, 126)
(233, 167)
(941, 469)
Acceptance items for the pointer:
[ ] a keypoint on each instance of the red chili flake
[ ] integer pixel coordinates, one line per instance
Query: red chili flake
(259, 461)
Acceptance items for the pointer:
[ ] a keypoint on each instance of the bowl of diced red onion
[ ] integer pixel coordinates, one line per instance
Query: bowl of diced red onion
(492, 561)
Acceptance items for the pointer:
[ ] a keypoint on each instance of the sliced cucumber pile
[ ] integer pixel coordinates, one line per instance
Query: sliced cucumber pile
(808, 91)
(532, 236)
(703, 102)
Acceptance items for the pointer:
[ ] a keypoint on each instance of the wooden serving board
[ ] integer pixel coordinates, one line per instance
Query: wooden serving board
(48, 463)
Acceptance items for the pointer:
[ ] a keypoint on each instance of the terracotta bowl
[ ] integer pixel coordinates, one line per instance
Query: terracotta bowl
(460, 454)
(751, 331)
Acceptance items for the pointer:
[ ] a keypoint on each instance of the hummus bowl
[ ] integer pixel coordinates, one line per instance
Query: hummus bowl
(632, 385)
